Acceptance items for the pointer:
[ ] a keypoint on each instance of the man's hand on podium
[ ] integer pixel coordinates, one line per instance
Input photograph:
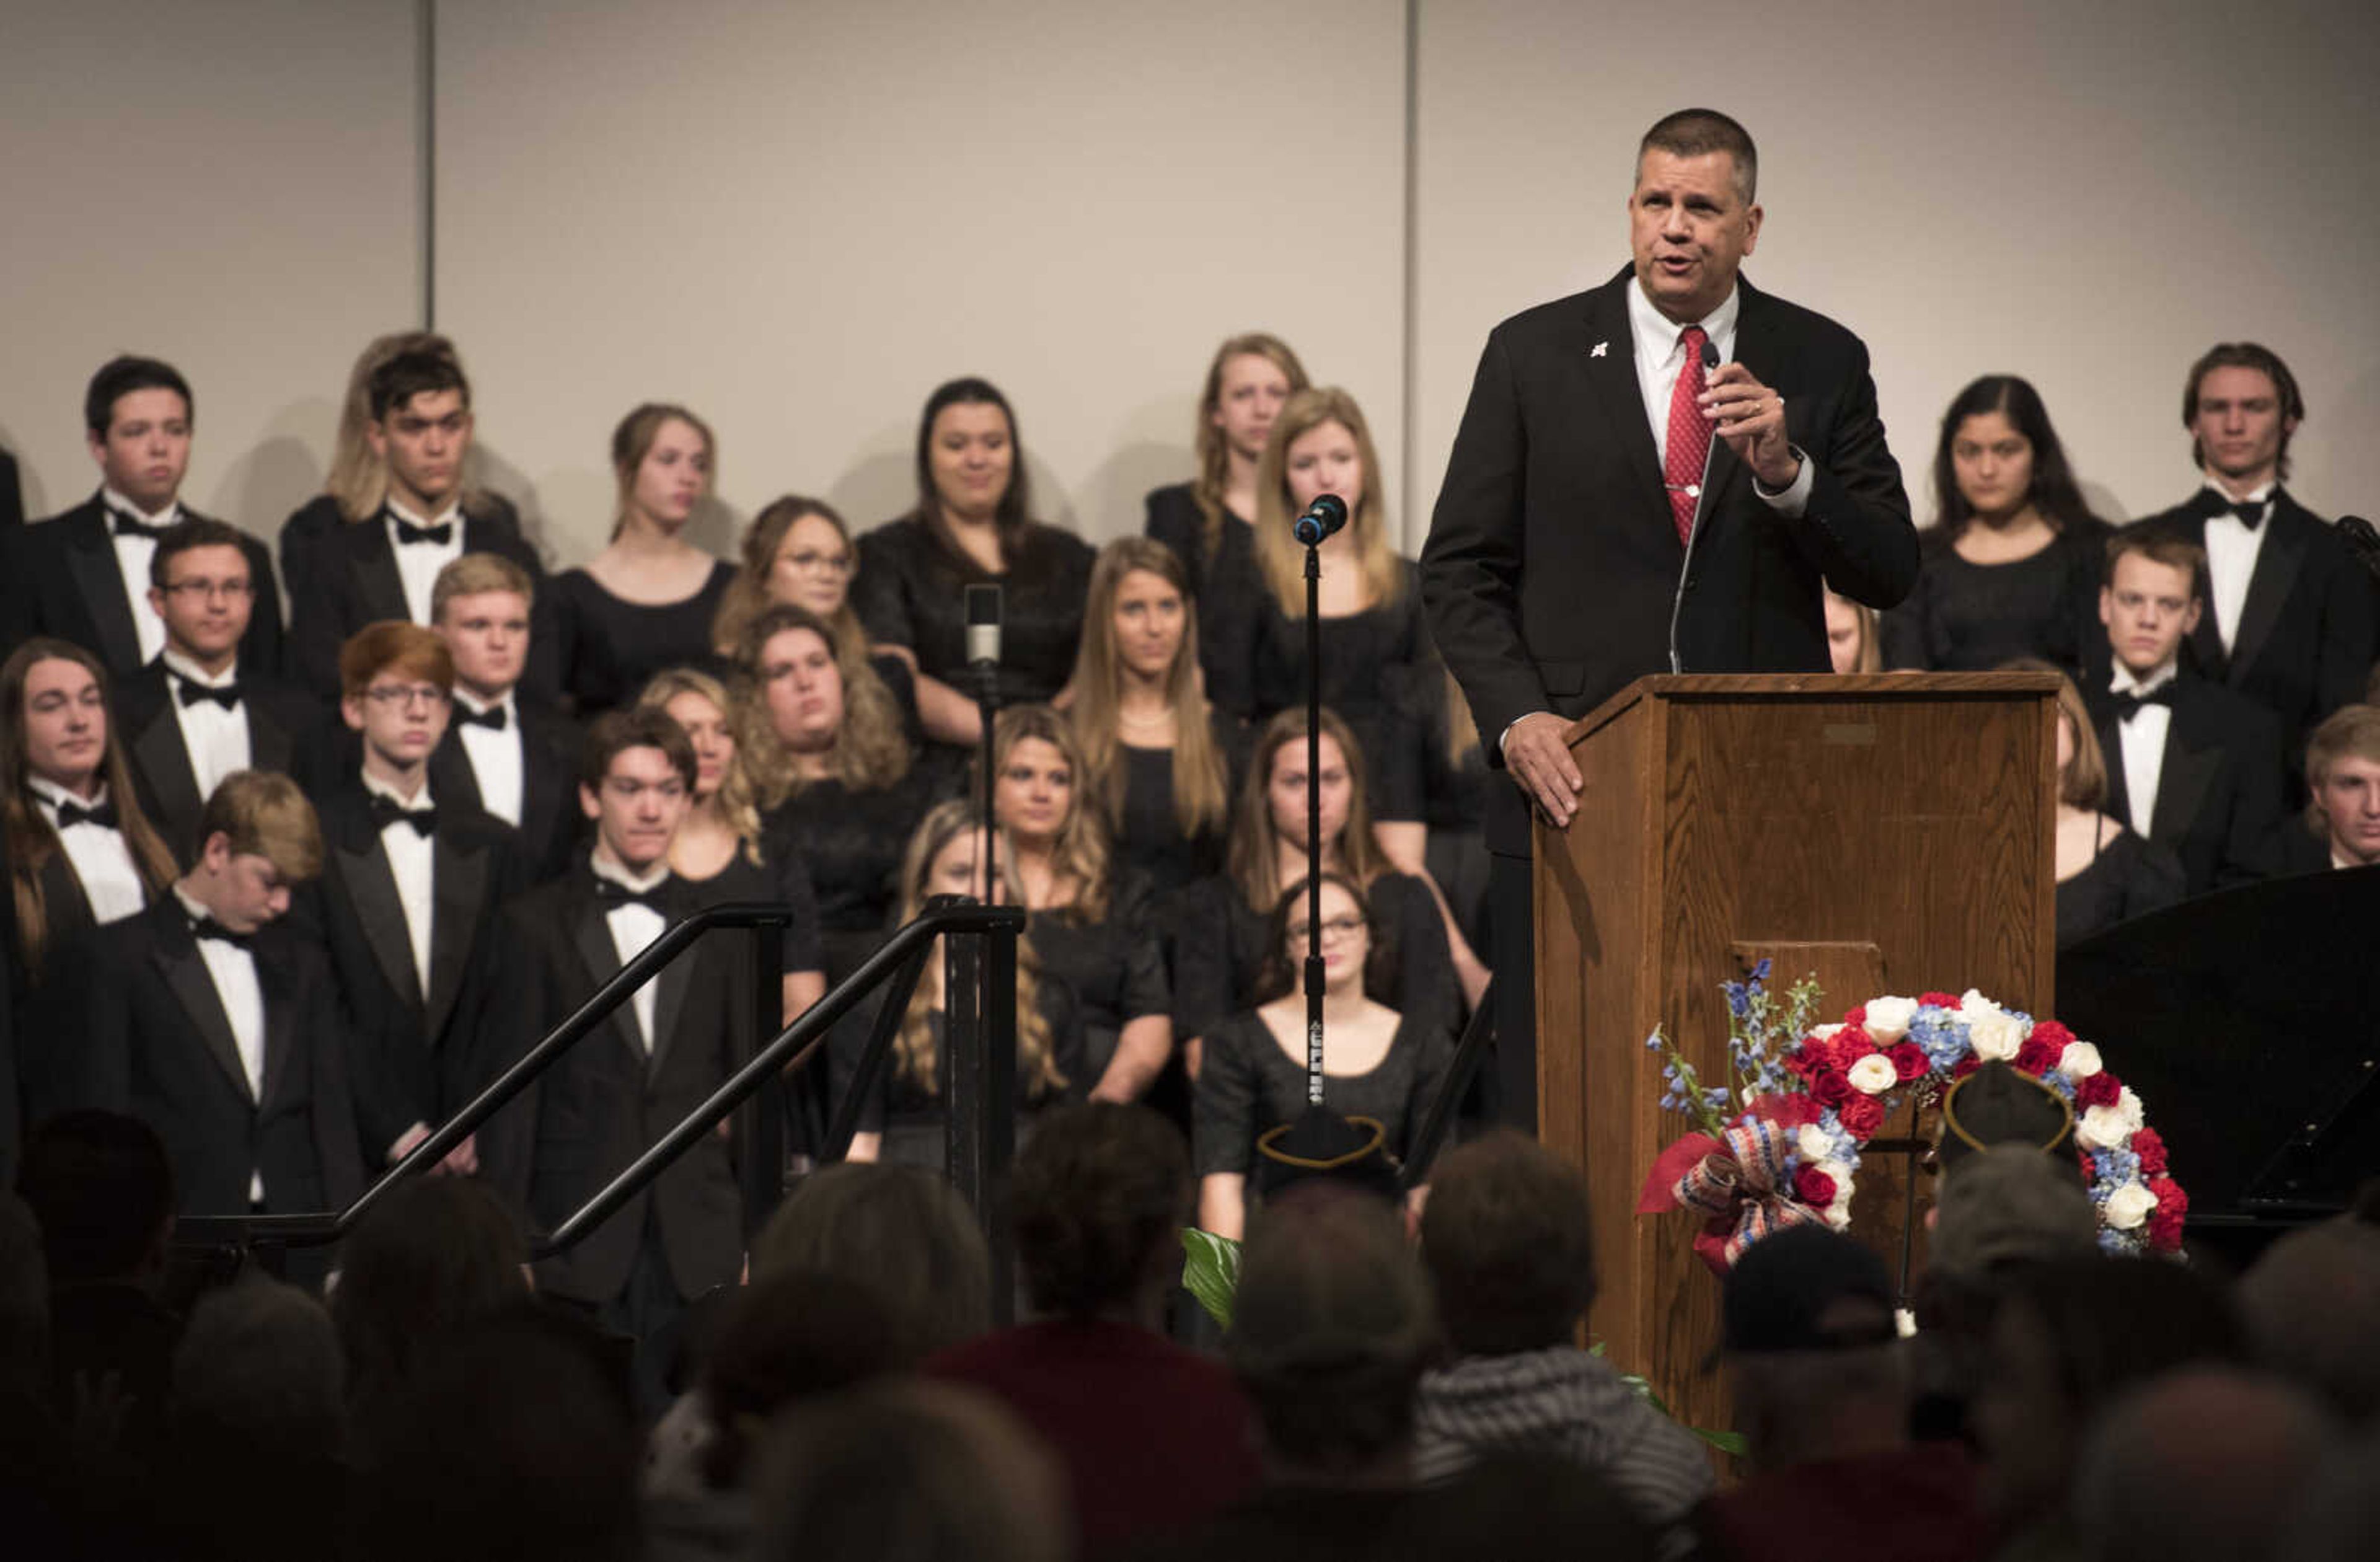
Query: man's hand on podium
(1540, 762)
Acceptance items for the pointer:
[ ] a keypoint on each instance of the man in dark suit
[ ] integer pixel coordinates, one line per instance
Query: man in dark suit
(1598, 440)
(387, 567)
(2293, 621)
(2190, 764)
(2341, 827)
(657, 1057)
(503, 752)
(406, 904)
(195, 715)
(83, 576)
(219, 1030)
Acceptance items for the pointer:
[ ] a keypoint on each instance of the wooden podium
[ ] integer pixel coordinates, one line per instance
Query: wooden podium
(1889, 833)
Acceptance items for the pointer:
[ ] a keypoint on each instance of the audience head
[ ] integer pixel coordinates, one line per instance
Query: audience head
(1037, 799)
(713, 720)
(1330, 1330)
(480, 605)
(2311, 1306)
(1320, 444)
(2242, 405)
(1693, 211)
(1508, 1244)
(138, 415)
(1999, 456)
(257, 840)
(201, 585)
(662, 459)
(901, 1229)
(971, 459)
(420, 427)
(635, 781)
(1358, 955)
(797, 553)
(796, 1335)
(103, 1191)
(1271, 812)
(2343, 781)
(2008, 1204)
(2000, 1104)
(2151, 602)
(1250, 377)
(359, 479)
(24, 1303)
(922, 1470)
(2206, 1462)
(1102, 1192)
(434, 1254)
(1812, 1346)
(396, 682)
(1853, 645)
(829, 715)
(258, 1377)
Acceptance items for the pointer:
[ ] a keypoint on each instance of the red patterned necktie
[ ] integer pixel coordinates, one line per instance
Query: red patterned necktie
(1690, 436)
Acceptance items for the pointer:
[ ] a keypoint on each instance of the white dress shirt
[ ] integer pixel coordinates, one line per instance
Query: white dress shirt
(2144, 742)
(634, 927)
(1661, 358)
(132, 557)
(408, 853)
(2231, 550)
(215, 738)
(233, 971)
(99, 858)
(497, 761)
(417, 564)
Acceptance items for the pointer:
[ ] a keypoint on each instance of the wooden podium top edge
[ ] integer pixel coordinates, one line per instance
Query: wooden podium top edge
(1809, 686)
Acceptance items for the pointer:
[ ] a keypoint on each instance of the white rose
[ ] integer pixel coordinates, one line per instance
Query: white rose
(1996, 1035)
(1823, 1032)
(2103, 1127)
(1874, 1074)
(2079, 1061)
(2128, 1108)
(1973, 1005)
(1888, 1019)
(1813, 1143)
(2130, 1205)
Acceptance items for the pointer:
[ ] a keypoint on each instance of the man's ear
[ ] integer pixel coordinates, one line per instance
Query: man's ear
(2190, 615)
(588, 803)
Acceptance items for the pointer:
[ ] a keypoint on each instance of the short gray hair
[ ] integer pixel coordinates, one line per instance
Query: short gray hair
(1698, 132)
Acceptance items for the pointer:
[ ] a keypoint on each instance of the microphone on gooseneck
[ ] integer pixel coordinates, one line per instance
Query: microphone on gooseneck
(983, 626)
(2362, 541)
(1326, 514)
(1694, 527)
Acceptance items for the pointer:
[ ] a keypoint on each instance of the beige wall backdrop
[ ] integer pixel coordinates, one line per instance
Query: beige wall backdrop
(797, 219)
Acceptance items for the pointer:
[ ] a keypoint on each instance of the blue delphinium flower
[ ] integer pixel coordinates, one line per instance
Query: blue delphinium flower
(2059, 1083)
(2114, 1242)
(1739, 998)
(1760, 972)
(2115, 1167)
(1941, 1035)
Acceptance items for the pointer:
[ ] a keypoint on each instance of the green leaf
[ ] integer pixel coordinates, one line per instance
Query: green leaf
(1210, 1271)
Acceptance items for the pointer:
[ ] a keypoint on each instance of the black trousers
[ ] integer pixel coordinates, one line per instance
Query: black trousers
(1514, 1073)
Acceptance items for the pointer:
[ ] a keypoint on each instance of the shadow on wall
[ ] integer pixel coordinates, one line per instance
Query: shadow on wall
(2104, 503)
(489, 471)
(1149, 452)
(2357, 407)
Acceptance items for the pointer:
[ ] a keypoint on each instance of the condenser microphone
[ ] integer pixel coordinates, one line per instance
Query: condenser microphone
(2362, 541)
(1694, 525)
(1326, 514)
(983, 626)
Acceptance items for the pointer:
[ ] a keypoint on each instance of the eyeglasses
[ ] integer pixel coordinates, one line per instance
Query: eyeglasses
(833, 564)
(1332, 927)
(408, 695)
(231, 590)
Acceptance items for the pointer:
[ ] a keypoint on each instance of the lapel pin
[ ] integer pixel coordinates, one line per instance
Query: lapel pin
(1599, 349)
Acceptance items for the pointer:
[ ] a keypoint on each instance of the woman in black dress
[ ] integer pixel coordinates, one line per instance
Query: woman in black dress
(2012, 564)
(972, 526)
(1160, 761)
(1207, 521)
(2105, 874)
(647, 600)
(1219, 940)
(1092, 929)
(1376, 1062)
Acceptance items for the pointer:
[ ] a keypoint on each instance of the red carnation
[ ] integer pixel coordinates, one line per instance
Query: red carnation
(1806, 1060)
(2101, 1089)
(1966, 1066)
(1909, 1060)
(2057, 1035)
(2149, 1145)
(1936, 1000)
(2165, 1221)
(1862, 1115)
(1813, 1187)
(1850, 1047)
(2037, 1057)
(1829, 1087)
(1857, 1017)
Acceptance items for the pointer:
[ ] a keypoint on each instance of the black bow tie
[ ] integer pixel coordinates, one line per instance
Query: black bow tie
(492, 718)
(227, 695)
(614, 894)
(2127, 704)
(440, 534)
(2249, 513)
(127, 524)
(71, 813)
(207, 927)
(387, 811)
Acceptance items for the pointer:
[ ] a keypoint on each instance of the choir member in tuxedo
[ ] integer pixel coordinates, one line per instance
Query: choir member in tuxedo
(220, 1029)
(1092, 928)
(1377, 1062)
(2342, 818)
(2293, 621)
(718, 853)
(78, 849)
(385, 567)
(647, 600)
(659, 1056)
(1209, 521)
(505, 752)
(797, 553)
(83, 576)
(406, 905)
(1219, 923)
(2195, 767)
(1161, 762)
(2011, 565)
(972, 524)
(1594, 446)
(2107, 872)
(196, 713)
(903, 1122)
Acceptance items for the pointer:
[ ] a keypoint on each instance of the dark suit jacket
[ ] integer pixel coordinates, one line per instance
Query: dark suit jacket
(605, 1100)
(1553, 559)
(418, 1057)
(12, 495)
(155, 1043)
(2219, 802)
(351, 579)
(44, 1046)
(2309, 632)
(280, 716)
(550, 820)
(64, 581)
(2302, 852)
(319, 518)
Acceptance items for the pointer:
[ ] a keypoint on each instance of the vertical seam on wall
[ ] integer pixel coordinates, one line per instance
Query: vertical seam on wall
(1415, 525)
(427, 111)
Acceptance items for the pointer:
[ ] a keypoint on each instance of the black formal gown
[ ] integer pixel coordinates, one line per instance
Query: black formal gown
(1249, 1084)
(1148, 839)
(778, 879)
(1114, 968)
(1228, 584)
(911, 591)
(1220, 947)
(850, 845)
(912, 1119)
(2131, 877)
(1378, 669)
(1966, 617)
(608, 648)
